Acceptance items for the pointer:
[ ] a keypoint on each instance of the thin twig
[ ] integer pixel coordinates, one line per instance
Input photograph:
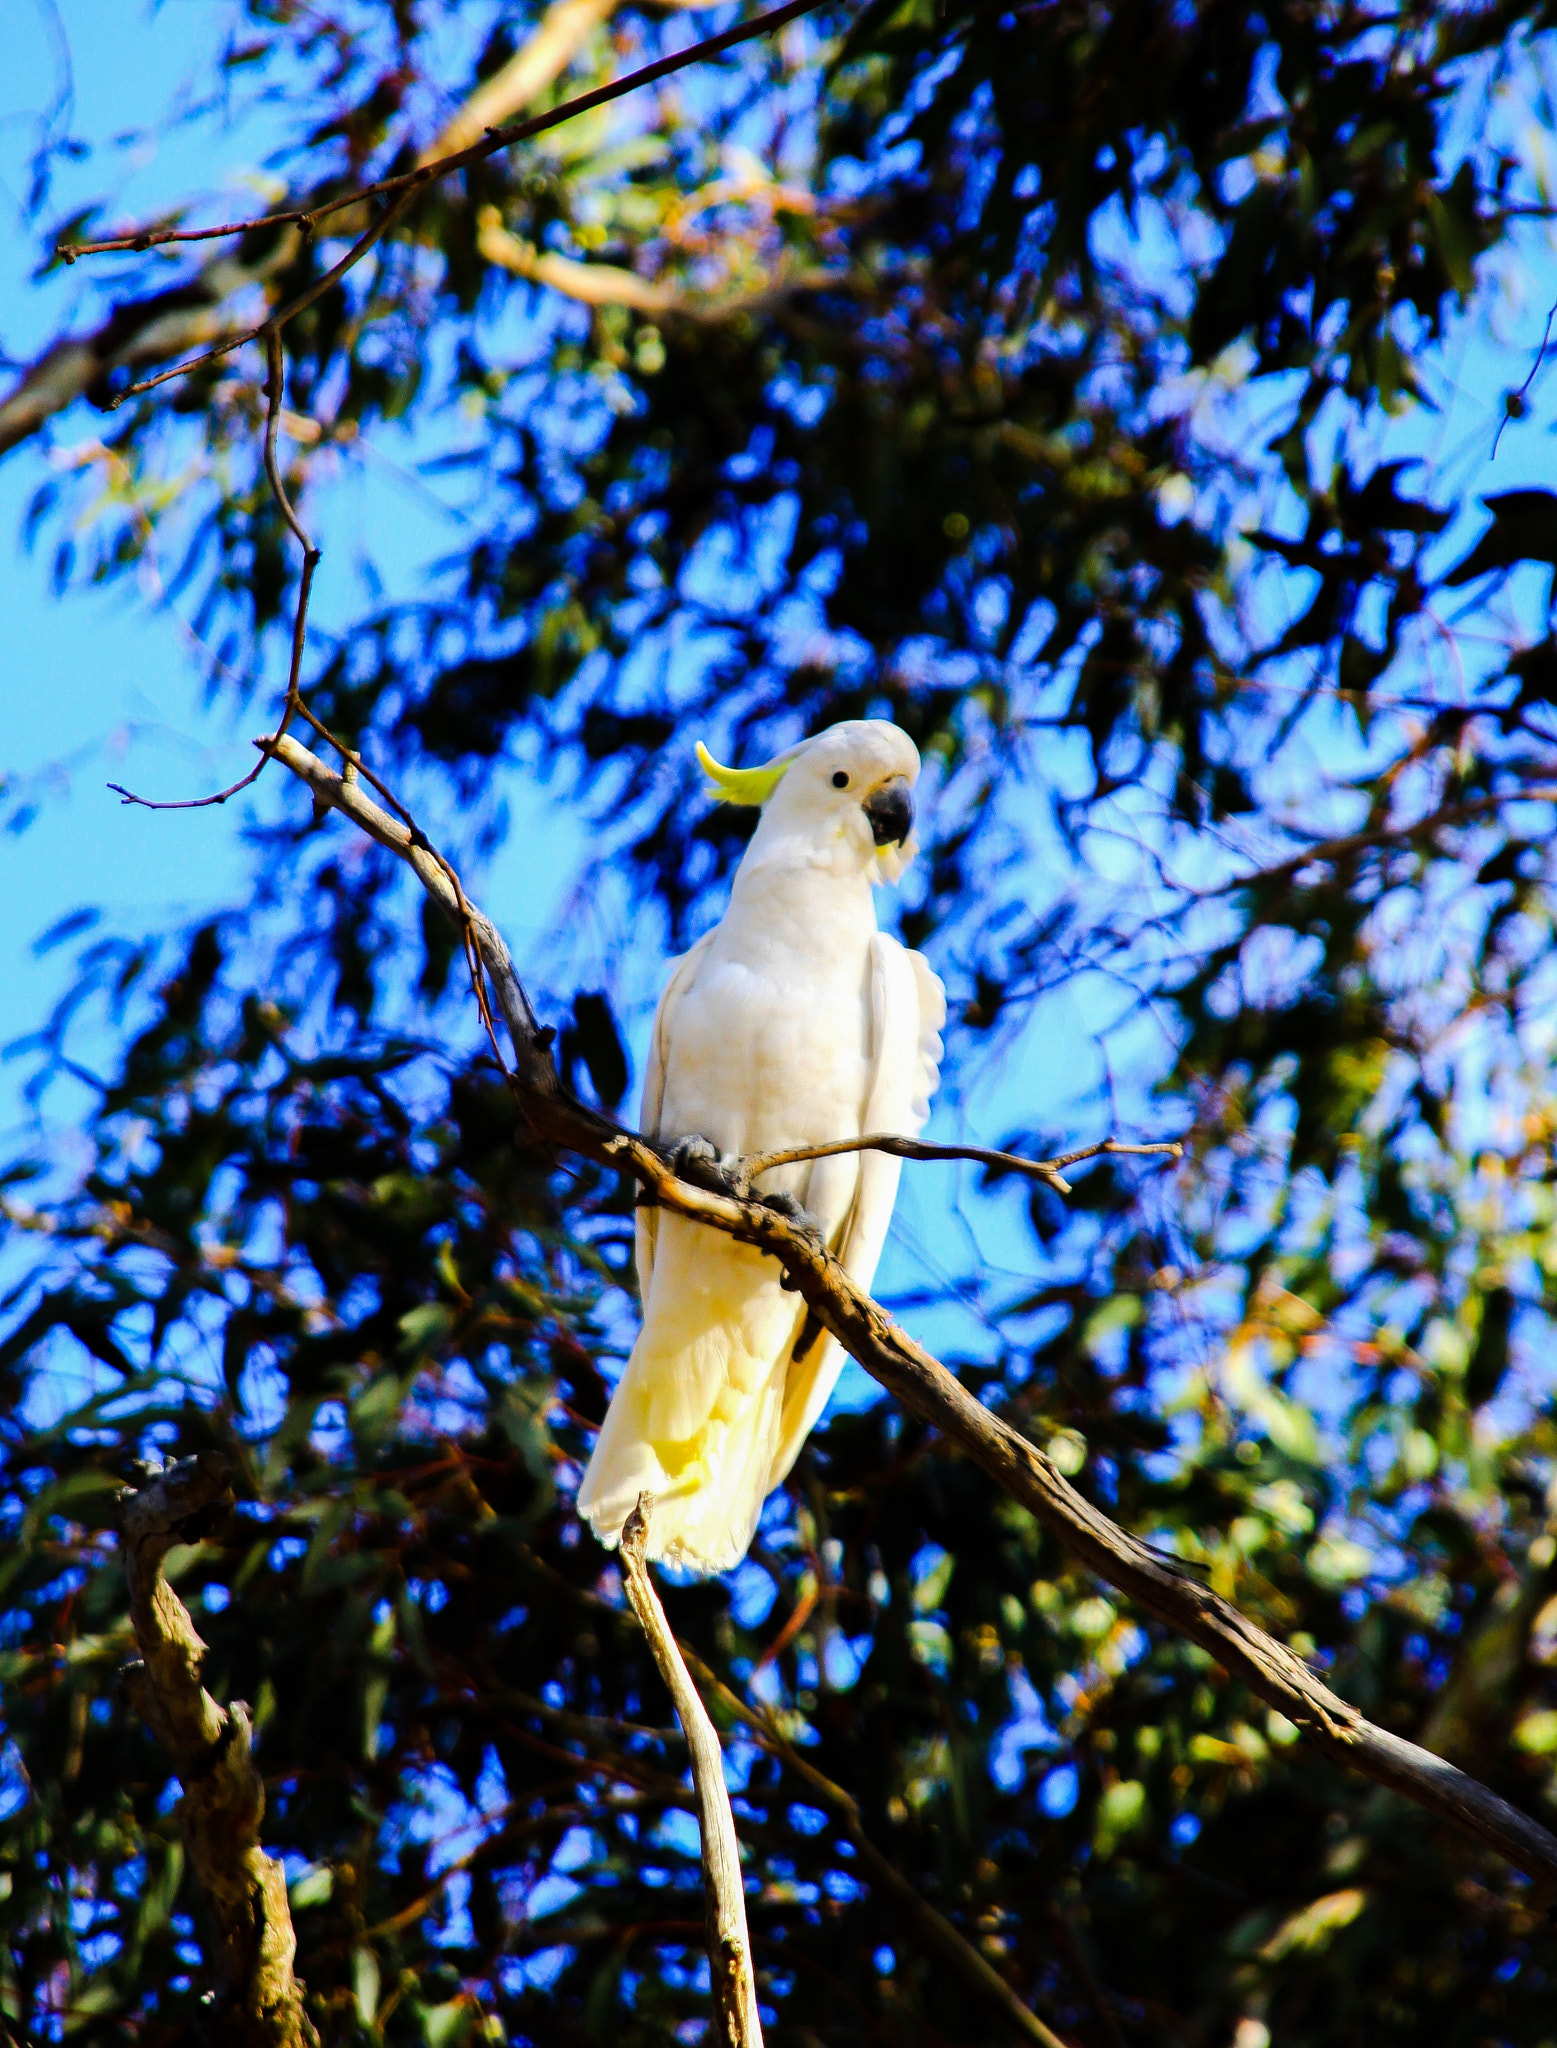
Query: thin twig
(736, 2019)
(1272, 1671)
(1513, 403)
(293, 702)
(1380, 836)
(1048, 1170)
(498, 139)
(947, 1939)
(277, 320)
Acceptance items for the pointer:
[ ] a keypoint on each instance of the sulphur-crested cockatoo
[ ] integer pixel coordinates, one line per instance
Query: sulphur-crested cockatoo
(792, 1023)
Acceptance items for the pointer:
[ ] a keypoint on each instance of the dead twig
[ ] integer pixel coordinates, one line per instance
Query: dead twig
(736, 2019)
(274, 322)
(245, 1891)
(1378, 837)
(292, 704)
(1048, 1170)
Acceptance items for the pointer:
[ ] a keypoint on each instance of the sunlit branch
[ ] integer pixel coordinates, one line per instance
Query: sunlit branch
(757, 1163)
(736, 2020)
(611, 284)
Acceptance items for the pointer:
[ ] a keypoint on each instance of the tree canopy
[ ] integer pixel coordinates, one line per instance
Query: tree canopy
(1062, 382)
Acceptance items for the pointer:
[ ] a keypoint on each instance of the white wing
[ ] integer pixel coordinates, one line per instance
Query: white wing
(908, 1008)
(682, 974)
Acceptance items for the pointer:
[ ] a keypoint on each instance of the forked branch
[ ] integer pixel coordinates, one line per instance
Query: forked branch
(737, 2022)
(948, 1942)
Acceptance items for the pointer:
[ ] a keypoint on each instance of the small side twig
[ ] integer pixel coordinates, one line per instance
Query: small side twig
(737, 2023)
(915, 1148)
(293, 703)
(245, 1891)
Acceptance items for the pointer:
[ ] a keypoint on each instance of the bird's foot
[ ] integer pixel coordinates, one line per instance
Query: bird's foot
(696, 1161)
(790, 1209)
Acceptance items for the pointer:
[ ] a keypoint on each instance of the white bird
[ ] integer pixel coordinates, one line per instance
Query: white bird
(794, 1022)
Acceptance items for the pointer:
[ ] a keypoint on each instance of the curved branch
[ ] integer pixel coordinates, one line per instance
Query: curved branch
(1171, 1595)
(611, 284)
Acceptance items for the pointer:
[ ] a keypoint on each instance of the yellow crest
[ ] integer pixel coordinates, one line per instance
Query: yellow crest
(751, 786)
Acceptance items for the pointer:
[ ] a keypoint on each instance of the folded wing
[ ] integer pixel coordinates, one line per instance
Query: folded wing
(908, 1008)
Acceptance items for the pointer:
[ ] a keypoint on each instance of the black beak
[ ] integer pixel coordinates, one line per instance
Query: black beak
(890, 810)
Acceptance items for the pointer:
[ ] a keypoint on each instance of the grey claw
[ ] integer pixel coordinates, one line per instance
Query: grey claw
(692, 1152)
(790, 1209)
(695, 1160)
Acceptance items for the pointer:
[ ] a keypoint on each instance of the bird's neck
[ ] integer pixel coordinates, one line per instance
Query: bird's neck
(815, 888)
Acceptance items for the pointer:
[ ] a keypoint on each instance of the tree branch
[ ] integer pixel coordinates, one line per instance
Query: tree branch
(565, 28)
(947, 1940)
(219, 1816)
(1380, 836)
(1164, 1589)
(737, 2023)
(612, 284)
(758, 1163)
(408, 182)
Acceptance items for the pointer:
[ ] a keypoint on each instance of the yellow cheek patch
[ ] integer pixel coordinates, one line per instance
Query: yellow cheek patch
(749, 786)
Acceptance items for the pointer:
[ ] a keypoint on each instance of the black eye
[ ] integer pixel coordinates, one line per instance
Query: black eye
(841, 779)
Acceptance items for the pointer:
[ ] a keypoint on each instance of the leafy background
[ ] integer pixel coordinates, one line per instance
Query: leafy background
(1108, 395)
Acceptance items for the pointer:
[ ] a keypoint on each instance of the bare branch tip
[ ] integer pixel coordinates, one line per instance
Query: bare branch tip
(635, 1532)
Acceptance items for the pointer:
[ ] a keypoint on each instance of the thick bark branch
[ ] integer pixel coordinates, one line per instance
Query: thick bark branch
(245, 1891)
(1272, 1671)
(737, 2023)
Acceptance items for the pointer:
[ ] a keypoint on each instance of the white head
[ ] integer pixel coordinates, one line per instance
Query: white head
(844, 794)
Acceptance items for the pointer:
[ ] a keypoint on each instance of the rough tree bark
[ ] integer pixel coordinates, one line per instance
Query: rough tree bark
(259, 1998)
